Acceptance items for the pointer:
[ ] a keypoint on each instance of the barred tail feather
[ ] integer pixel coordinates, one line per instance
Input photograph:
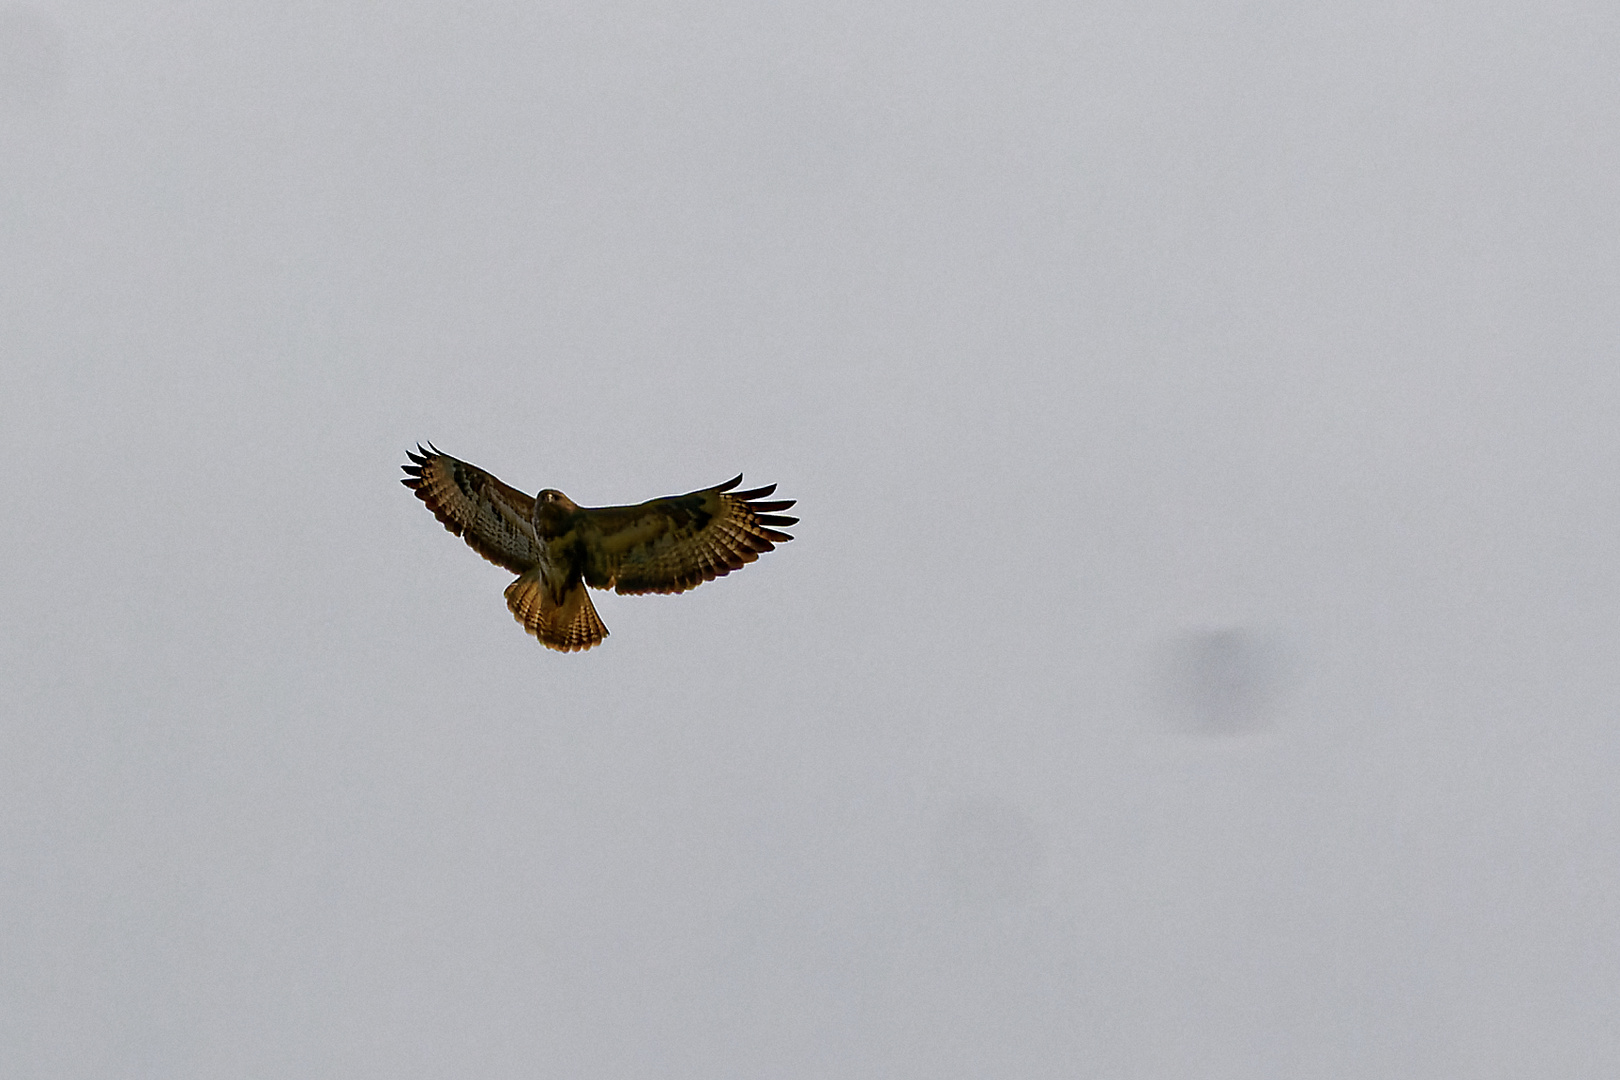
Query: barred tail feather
(571, 625)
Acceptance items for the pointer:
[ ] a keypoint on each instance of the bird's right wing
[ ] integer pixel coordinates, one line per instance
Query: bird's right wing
(494, 518)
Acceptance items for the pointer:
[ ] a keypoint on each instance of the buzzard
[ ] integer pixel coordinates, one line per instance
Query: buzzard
(557, 548)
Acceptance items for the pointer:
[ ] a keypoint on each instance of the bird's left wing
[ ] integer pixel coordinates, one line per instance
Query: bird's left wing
(677, 543)
(494, 518)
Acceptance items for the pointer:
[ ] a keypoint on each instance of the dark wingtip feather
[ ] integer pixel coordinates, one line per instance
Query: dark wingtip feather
(729, 484)
(757, 493)
(774, 535)
(776, 519)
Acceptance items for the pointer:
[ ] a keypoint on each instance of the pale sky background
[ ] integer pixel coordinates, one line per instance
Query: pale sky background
(1199, 655)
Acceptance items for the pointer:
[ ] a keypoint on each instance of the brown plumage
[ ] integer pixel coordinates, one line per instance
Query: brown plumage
(557, 548)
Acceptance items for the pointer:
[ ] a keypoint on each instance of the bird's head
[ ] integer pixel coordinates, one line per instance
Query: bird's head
(551, 509)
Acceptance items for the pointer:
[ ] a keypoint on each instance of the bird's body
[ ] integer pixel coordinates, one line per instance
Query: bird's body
(557, 547)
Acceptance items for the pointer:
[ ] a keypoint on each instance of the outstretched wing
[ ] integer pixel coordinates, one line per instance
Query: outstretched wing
(491, 516)
(674, 544)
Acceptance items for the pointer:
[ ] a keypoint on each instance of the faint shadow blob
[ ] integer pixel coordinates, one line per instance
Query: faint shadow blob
(1223, 682)
(30, 57)
(987, 852)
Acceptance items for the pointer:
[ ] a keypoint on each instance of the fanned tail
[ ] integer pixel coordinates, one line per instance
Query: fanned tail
(569, 624)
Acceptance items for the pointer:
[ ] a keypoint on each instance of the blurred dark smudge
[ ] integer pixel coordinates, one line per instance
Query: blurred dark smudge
(1223, 682)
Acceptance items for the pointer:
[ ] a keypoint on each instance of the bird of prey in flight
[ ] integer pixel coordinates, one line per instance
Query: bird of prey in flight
(557, 547)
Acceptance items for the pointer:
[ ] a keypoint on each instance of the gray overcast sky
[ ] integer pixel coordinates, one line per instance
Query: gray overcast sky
(1199, 654)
